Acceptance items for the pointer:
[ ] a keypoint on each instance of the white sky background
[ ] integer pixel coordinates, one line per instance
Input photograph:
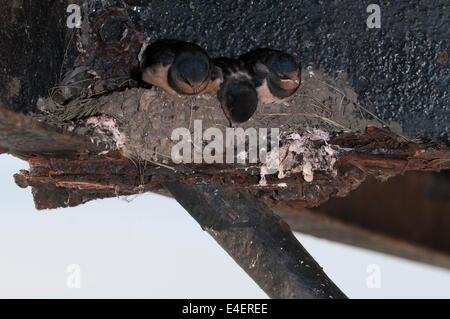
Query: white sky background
(152, 248)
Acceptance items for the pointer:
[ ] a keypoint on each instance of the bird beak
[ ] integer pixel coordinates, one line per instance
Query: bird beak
(195, 89)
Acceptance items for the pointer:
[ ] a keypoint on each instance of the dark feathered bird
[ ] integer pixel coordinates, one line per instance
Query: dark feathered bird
(235, 89)
(277, 75)
(177, 67)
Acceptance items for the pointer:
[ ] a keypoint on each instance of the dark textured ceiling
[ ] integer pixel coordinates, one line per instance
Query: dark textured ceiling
(400, 72)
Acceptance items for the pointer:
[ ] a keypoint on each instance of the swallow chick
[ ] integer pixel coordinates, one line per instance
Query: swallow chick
(178, 67)
(277, 75)
(235, 89)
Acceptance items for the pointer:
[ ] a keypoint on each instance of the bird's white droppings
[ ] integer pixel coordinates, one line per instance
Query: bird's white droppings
(299, 153)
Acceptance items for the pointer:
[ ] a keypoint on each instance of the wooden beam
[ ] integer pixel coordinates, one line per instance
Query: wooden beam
(258, 240)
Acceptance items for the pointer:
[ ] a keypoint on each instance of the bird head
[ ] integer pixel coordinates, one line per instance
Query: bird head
(192, 72)
(284, 70)
(241, 100)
